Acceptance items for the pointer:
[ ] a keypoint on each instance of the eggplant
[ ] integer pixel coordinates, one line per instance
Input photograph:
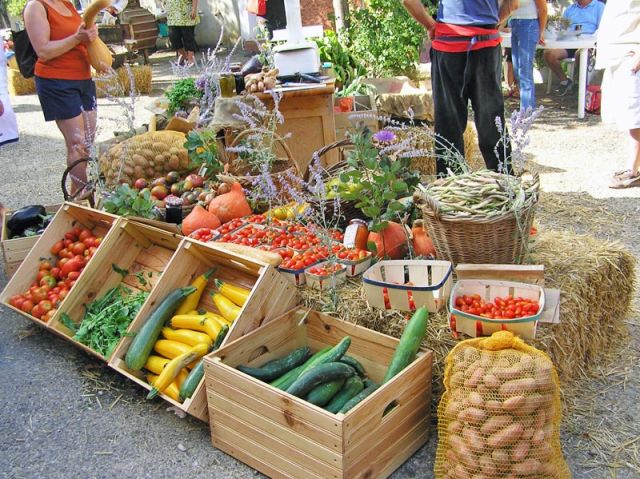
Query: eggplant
(27, 217)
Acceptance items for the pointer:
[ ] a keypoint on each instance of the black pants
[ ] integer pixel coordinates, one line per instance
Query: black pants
(451, 95)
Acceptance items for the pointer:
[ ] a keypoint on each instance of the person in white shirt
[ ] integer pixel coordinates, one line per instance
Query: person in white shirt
(8, 122)
(619, 53)
(111, 12)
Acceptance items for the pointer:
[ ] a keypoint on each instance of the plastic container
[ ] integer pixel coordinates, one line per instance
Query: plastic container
(328, 281)
(354, 268)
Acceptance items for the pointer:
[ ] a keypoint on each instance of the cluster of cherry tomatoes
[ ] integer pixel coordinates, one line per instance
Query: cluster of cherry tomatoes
(325, 269)
(56, 277)
(230, 226)
(506, 307)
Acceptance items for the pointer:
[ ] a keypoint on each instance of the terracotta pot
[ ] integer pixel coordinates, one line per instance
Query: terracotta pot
(344, 104)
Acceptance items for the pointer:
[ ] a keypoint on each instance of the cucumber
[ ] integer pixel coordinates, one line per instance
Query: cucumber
(368, 382)
(188, 387)
(287, 379)
(319, 374)
(321, 395)
(352, 386)
(276, 368)
(358, 398)
(142, 344)
(409, 343)
(355, 364)
(333, 355)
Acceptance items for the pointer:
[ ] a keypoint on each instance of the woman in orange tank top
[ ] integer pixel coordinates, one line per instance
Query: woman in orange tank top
(63, 76)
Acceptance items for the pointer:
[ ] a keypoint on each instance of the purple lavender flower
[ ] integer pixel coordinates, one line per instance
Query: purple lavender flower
(384, 136)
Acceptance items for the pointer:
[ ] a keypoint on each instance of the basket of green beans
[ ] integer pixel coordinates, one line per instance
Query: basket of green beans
(480, 217)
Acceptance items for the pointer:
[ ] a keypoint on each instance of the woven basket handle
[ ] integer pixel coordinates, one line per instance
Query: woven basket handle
(433, 204)
(276, 137)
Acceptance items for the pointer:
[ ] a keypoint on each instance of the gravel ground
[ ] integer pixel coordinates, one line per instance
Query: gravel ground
(65, 415)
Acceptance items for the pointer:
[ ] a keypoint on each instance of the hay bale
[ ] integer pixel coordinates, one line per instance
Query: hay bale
(118, 84)
(19, 85)
(423, 140)
(597, 283)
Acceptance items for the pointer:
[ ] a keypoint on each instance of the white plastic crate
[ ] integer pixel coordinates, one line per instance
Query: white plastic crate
(326, 282)
(475, 326)
(354, 268)
(408, 285)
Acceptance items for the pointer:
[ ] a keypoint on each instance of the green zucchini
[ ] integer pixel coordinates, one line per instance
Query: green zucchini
(142, 344)
(352, 386)
(188, 387)
(409, 343)
(333, 355)
(322, 394)
(287, 379)
(354, 363)
(319, 374)
(276, 368)
(358, 398)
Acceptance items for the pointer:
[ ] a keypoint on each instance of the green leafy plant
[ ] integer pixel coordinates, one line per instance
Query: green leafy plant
(203, 152)
(382, 179)
(346, 67)
(15, 7)
(384, 38)
(180, 93)
(126, 201)
(357, 87)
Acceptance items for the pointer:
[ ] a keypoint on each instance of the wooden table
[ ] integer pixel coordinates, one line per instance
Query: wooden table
(309, 119)
(583, 43)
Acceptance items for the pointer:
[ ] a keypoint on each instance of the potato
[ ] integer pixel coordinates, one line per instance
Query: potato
(472, 415)
(487, 465)
(454, 427)
(506, 436)
(138, 172)
(475, 400)
(548, 431)
(491, 381)
(486, 360)
(520, 451)
(500, 457)
(470, 355)
(518, 386)
(460, 472)
(514, 403)
(451, 456)
(541, 417)
(457, 379)
(475, 378)
(543, 451)
(495, 423)
(174, 162)
(473, 439)
(453, 409)
(531, 405)
(529, 467)
(512, 372)
(538, 437)
(493, 406)
(479, 476)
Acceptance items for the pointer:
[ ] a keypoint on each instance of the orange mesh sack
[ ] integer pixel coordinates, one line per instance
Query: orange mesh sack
(500, 414)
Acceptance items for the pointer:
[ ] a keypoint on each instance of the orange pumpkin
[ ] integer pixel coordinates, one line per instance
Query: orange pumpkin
(199, 218)
(422, 244)
(390, 242)
(231, 205)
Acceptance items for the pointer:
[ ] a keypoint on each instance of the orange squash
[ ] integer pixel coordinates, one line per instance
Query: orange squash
(199, 218)
(231, 205)
(422, 244)
(390, 242)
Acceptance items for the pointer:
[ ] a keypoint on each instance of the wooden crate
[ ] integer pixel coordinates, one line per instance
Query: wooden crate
(68, 216)
(271, 295)
(15, 250)
(141, 250)
(284, 436)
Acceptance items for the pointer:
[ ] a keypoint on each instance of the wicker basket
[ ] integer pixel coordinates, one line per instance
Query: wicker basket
(495, 240)
(279, 178)
(347, 209)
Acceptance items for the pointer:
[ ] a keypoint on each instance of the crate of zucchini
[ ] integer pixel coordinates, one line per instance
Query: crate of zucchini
(28, 224)
(308, 395)
(202, 292)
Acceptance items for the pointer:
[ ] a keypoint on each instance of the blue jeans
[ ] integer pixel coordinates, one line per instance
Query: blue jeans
(524, 38)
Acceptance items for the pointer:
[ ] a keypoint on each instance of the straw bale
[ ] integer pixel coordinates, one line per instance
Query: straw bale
(19, 85)
(119, 84)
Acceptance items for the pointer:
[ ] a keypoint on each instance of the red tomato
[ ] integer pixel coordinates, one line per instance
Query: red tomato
(65, 253)
(45, 305)
(55, 272)
(97, 241)
(61, 263)
(48, 281)
(55, 249)
(84, 234)
(90, 241)
(37, 311)
(41, 274)
(39, 294)
(27, 306)
(78, 248)
(16, 301)
(45, 264)
(73, 275)
(68, 241)
(71, 265)
(47, 317)
(63, 294)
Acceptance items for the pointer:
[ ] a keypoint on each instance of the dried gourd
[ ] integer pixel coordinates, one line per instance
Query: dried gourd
(151, 154)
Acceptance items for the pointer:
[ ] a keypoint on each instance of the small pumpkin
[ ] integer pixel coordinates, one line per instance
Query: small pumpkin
(390, 242)
(422, 243)
(199, 218)
(231, 205)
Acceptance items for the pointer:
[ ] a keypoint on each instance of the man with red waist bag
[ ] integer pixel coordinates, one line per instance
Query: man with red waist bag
(466, 66)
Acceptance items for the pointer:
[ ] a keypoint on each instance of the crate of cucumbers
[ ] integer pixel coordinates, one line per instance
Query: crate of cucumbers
(205, 297)
(308, 395)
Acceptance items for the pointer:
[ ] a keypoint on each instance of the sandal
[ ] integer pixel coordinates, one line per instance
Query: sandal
(624, 179)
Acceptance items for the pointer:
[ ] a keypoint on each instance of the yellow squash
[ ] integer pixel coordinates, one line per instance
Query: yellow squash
(191, 302)
(186, 336)
(99, 54)
(196, 323)
(208, 314)
(228, 310)
(156, 364)
(172, 369)
(173, 391)
(170, 349)
(236, 294)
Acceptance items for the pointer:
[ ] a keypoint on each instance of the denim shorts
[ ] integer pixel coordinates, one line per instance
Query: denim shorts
(65, 99)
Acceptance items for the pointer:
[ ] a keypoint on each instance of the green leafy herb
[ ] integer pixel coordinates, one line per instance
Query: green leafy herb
(126, 201)
(203, 152)
(106, 319)
(180, 93)
(122, 272)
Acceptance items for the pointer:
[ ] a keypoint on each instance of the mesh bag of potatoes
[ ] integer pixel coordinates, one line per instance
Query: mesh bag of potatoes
(148, 155)
(500, 414)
